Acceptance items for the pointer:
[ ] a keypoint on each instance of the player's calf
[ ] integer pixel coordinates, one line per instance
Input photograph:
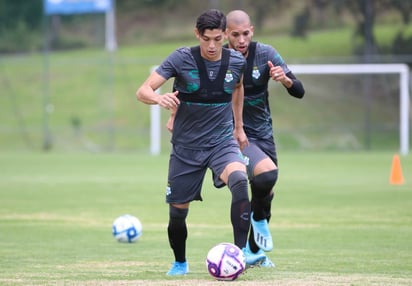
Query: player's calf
(262, 194)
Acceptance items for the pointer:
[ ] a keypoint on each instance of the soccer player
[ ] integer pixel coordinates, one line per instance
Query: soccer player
(208, 129)
(264, 63)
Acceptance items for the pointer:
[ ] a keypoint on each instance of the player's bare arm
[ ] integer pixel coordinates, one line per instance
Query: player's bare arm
(146, 93)
(237, 106)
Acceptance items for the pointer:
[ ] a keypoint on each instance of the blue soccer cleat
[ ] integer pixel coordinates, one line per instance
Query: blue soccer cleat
(262, 235)
(253, 259)
(178, 268)
(258, 259)
(267, 263)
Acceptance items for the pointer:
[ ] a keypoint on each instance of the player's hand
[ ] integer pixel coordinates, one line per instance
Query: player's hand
(170, 121)
(169, 100)
(276, 72)
(241, 138)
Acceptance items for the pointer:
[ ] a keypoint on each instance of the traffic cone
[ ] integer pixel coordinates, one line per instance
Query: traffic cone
(396, 177)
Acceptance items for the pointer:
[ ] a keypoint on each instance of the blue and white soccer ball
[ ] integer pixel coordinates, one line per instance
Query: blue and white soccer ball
(225, 261)
(127, 228)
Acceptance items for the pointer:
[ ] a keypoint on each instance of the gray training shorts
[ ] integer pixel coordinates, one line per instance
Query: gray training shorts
(187, 169)
(257, 151)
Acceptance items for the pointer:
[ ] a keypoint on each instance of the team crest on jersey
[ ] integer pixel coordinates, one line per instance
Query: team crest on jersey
(229, 76)
(255, 72)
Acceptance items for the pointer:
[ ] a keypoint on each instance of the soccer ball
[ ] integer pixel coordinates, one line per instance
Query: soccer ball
(127, 228)
(225, 261)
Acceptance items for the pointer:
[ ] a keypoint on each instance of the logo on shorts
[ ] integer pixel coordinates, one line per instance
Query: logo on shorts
(246, 160)
(168, 190)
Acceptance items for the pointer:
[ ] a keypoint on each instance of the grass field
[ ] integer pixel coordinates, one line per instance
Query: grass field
(336, 221)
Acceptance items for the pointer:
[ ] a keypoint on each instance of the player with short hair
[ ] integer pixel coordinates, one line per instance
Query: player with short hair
(263, 63)
(208, 128)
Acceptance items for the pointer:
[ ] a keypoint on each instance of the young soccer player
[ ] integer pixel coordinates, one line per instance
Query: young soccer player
(208, 129)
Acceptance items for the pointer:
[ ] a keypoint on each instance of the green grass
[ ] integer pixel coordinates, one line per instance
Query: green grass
(336, 221)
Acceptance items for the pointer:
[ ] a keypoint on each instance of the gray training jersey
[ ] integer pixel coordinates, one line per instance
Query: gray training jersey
(204, 117)
(257, 119)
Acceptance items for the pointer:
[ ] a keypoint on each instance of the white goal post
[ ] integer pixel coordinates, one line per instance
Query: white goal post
(404, 95)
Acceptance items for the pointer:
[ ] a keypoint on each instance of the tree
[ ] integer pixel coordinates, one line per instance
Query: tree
(19, 20)
(364, 13)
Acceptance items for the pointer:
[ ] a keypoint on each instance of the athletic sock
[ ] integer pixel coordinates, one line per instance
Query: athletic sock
(177, 232)
(240, 207)
(239, 214)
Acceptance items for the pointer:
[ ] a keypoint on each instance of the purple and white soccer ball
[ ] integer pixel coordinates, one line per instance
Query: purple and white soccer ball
(127, 228)
(225, 261)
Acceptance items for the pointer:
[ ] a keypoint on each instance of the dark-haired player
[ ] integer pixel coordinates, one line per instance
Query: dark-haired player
(208, 95)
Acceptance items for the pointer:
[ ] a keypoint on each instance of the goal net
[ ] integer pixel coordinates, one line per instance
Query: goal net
(349, 106)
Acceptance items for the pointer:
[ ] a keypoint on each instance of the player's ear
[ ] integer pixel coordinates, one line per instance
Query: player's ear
(225, 34)
(197, 33)
(252, 29)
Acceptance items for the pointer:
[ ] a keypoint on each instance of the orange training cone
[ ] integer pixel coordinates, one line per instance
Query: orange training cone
(396, 177)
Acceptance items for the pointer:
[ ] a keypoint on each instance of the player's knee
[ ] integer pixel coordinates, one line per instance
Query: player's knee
(177, 215)
(237, 183)
(263, 183)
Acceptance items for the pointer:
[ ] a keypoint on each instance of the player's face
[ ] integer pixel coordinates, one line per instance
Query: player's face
(211, 43)
(239, 37)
